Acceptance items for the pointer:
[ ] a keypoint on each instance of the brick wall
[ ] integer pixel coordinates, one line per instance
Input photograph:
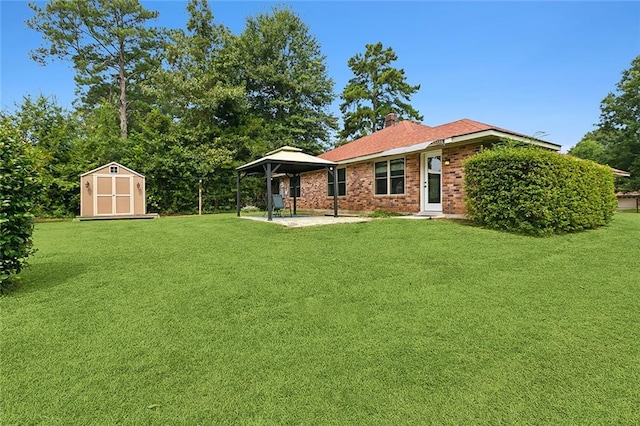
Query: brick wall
(453, 177)
(360, 190)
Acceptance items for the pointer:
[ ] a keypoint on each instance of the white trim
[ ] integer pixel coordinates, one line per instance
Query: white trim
(95, 195)
(82, 191)
(424, 188)
(424, 146)
(288, 155)
(404, 177)
(144, 197)
(500, 134)
(113, 195)
(113, 163)
(620, 173)
(131, 195)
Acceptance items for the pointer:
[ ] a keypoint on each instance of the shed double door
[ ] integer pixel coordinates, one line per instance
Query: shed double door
(113, 195)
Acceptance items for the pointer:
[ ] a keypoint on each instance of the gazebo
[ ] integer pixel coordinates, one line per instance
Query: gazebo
(291, 162)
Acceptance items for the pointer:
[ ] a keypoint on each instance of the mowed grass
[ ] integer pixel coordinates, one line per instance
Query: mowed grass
(216, 320)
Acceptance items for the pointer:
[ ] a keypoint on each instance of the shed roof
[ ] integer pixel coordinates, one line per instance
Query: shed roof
(289, 159)
(113, 163)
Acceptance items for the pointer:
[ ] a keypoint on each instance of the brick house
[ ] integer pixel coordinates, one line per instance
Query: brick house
(406, 167)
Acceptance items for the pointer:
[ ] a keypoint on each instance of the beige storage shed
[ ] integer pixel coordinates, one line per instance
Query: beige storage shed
(112, 190)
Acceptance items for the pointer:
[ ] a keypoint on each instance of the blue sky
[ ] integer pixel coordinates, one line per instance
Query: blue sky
(525, 66)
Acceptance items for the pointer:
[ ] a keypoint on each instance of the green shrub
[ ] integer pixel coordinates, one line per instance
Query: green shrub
(250, 209)
(18, 189)
(537, 192)
(384, 213)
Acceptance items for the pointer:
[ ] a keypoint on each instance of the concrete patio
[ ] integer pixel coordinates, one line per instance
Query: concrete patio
(302, 221)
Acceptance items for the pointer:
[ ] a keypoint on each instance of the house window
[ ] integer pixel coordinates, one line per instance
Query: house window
(342, 182)
(113, 169)
(389, 177)
(294, 186)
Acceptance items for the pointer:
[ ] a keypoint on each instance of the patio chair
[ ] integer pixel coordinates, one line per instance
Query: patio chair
(279, 205)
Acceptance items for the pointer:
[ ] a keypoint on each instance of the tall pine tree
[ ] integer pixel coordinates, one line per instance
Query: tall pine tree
(376, 89)
(109, 43)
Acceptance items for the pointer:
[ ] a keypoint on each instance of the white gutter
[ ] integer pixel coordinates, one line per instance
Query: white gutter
(439, 143)
(499, 134)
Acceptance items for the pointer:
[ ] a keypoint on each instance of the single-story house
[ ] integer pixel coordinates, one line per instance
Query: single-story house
(406, 167)
(628, 200)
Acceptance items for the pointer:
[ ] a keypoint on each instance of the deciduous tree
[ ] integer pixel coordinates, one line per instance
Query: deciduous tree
(51, 131)
(620, 125)
(288, 87)
(204, 101)
(18, 189)
(589, 148)
(198, 83)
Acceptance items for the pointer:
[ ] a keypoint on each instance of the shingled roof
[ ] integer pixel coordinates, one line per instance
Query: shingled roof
(407, 133)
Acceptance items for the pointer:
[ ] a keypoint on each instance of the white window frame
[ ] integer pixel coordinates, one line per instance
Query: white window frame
(404, 177)
(113, 170)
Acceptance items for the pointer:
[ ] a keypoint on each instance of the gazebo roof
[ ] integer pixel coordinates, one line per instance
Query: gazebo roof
(289, 160)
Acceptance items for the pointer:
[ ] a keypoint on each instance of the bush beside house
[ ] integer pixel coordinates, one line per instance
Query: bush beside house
(18, 189)
(537, 192)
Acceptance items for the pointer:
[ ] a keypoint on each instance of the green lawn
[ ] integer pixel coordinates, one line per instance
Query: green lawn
(215, 320)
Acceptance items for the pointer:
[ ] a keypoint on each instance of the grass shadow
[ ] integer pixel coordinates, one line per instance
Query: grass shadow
(45, 275)
(471, 224)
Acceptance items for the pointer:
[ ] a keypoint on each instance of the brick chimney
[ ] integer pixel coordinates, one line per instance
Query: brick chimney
(390, 119)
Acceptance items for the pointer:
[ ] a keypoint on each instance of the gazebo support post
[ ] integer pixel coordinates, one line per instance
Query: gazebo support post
(335, 191)
(295, 210)
(238, 194)
(269, 195)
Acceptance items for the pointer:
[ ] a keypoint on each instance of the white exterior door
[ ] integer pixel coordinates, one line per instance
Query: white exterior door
(113, 195)
(432, 188)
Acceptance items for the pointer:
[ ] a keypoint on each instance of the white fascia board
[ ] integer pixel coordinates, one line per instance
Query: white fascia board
(113, 163)
(424, 146)
(620, 173)
(388, 153)
(499, 134)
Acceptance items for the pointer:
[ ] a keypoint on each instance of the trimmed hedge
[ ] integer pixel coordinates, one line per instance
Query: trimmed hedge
(18, 188)
(537, 192)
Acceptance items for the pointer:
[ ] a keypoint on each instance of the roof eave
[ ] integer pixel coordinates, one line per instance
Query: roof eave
(454, 140)
(493, 133)
(620, 173)
(256, 165)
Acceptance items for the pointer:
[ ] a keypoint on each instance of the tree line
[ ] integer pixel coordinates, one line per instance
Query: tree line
(616, 138)
(179, 105)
